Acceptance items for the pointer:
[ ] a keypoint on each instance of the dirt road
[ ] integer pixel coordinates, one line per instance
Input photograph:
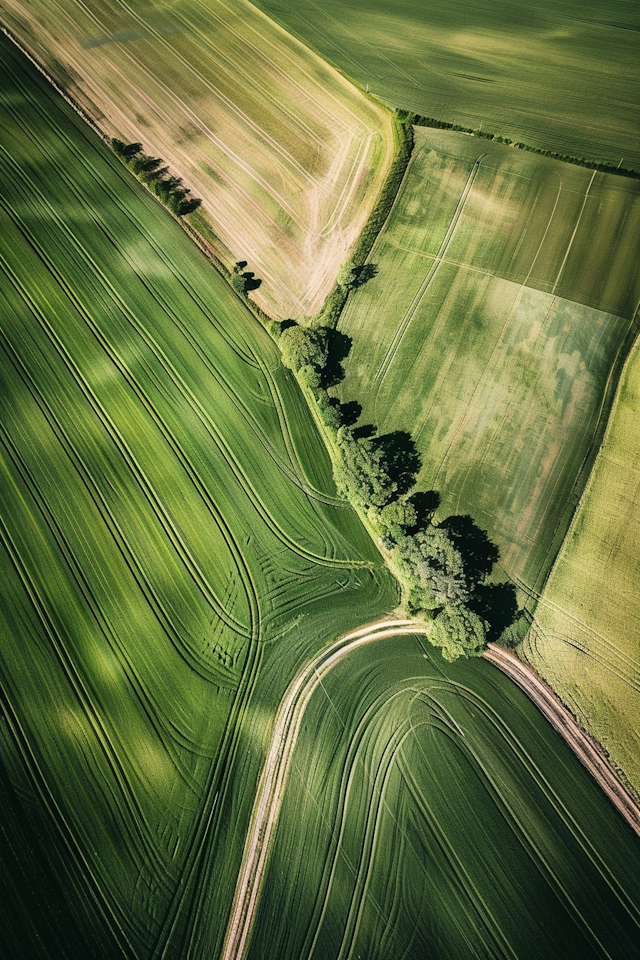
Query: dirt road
(560, 718)
(269, 796)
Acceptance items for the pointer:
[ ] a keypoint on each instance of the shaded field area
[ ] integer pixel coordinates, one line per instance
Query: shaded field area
(559, 76)
(430, 810)
(585, 639)
(287, 156)
(168, 521)
(498, 319)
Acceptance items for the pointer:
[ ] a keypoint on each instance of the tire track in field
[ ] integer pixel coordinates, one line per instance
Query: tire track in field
(181, 386)
(298, 478)
(515, 745)
(129, 181)
(155, 502)
(460, 875)
(175, 635)
(392, 349)
(165, 729)
(132, 817)
(182, 109)
(115, 918)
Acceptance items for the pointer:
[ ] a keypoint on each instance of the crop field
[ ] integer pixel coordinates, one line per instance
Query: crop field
(168, 527)
(499, 317)
(586, 635)
(287, 156)
(430, 811)
(557, 74)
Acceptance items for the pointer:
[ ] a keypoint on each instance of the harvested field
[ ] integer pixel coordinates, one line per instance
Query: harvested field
(585, 639)
(494, 330)
(286, 154)
(558, 74)
(430, 810)
(169, 528)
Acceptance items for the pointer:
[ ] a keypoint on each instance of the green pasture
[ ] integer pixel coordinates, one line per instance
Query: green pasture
(585, 639)
(168, 522)
(493, 331)
(561, 76)
(430, 811)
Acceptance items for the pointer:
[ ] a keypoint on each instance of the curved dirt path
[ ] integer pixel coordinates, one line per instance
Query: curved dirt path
(560, 718)
(270, 787)
(287, 724)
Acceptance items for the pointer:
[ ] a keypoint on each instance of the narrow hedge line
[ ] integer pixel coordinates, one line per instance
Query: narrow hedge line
(403, 146)
(418, 121)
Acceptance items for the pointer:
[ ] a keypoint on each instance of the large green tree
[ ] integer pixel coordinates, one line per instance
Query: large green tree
(303, 346)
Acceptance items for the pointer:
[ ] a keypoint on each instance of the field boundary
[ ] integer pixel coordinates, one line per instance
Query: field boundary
(203, 245)
(587, 750)
(601, 166)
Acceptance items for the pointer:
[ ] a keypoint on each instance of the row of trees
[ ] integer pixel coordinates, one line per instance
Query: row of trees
(150, 170)
(419, 121)
(443, 566)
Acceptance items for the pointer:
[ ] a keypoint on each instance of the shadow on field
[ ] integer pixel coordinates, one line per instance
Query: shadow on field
(401, 457)
(425, 503)
(478, 552)
(339, 345)
(496, 603)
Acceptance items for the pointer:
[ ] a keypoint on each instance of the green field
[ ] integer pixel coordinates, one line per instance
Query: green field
(557, 74)
(585, 639)
(431, 812)
(504, 299)
(169, 533)
(287, 156)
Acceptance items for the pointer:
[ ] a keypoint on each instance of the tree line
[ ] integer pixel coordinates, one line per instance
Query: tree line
(419, 121)
(150, 170)
(443, 566)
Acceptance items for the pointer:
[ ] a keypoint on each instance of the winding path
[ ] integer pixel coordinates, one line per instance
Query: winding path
(287, 724)
(270, 787)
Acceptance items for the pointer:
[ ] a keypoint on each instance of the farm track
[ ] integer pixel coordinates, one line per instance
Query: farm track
(286, 728)
(560, 718)
(269, 795)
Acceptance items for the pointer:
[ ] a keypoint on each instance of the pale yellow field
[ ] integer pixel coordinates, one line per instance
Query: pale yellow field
(287, 156)
(586, 636)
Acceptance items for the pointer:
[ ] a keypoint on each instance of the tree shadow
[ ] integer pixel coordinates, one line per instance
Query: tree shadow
(364, 431)
(251, 282)
(496, 603)
(402, 459)
(425, 502)
(339, 345)
(478, 552)
(350, 412)
(364, 273)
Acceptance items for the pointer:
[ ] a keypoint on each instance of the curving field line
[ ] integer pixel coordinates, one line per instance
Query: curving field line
(560, 718)
(270, 788)
(286, 728)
